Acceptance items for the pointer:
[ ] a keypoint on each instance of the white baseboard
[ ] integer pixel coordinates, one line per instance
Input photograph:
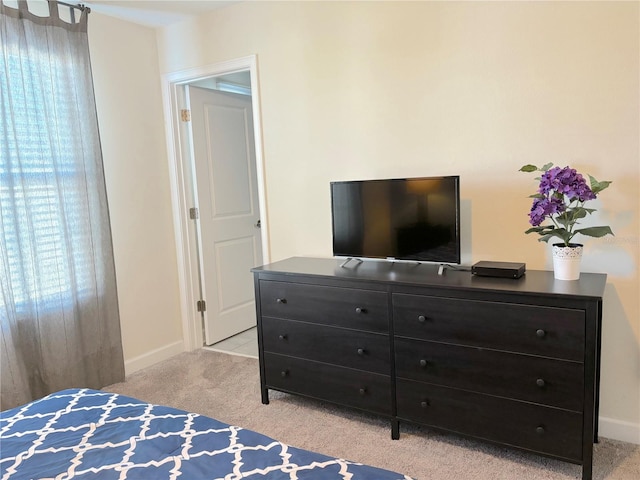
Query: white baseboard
(152, 357)
(619, 430)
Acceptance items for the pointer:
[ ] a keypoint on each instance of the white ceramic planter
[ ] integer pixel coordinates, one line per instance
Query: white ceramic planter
(566, 261)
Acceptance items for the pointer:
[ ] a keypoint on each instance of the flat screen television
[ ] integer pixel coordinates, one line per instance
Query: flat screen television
(414, 219)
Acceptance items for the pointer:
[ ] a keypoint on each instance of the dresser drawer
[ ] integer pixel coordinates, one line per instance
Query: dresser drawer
(558, 383)
(551, 332)
(343, 307)
(533, 427)
(339, 346)
(344, 386)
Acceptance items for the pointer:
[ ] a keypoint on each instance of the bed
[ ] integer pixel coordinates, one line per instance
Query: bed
(90, 434)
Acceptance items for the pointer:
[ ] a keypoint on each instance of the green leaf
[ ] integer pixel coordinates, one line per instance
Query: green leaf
(537, 195)
(548, 232)
(565, 219)
(596, 186)
(546, 167)
(564, 237)
(595, 231)
(576, 213)
(528, 168)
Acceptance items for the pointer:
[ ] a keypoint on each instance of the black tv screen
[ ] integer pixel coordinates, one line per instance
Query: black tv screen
(403, 219)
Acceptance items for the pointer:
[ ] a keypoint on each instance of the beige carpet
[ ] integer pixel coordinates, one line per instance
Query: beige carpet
(227, 388)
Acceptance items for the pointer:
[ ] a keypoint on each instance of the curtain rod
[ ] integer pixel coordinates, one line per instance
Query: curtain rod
(80, 6)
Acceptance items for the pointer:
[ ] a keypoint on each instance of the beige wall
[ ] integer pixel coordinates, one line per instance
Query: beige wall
(389, 89)
(127, 86)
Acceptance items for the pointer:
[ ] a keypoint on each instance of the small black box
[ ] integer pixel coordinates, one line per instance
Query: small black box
(498, 269)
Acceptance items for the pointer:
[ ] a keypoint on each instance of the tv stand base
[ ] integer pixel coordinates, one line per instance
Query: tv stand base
(344, 264)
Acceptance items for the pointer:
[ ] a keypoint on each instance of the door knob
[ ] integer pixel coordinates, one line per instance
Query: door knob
(258, 224)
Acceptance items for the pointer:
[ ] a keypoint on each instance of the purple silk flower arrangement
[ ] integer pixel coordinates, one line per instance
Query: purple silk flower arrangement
(560, 198)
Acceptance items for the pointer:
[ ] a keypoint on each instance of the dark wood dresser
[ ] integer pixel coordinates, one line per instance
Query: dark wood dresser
(510, 361)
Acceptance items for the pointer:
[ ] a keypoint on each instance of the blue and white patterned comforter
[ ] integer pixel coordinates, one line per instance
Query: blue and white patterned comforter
(89, 434)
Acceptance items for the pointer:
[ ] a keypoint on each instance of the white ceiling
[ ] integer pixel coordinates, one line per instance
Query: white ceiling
(155, 13)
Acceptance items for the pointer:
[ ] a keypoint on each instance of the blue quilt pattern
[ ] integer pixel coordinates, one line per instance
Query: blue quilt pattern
(90, 434)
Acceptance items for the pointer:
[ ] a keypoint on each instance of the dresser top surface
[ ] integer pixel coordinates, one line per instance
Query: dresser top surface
(590, 285)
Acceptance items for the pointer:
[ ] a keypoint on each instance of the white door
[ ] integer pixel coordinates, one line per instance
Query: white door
(229, 216)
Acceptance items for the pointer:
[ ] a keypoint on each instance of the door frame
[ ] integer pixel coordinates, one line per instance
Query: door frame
(181, 168)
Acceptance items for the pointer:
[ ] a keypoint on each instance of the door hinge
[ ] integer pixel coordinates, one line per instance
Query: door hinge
(194, 214)
(185, 115)
(201, 306)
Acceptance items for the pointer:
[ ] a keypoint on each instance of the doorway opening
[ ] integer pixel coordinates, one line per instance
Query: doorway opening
(221, 190)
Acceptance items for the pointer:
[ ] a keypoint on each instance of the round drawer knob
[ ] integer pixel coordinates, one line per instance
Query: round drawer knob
(284, 373)
(422, 318)
(283, 336)
(423, 363)
(540, 333)
(363, 391)
(540, 430)
(424, 403)
(281, 300)
(360, 310)
(540, 382)
(361, 351)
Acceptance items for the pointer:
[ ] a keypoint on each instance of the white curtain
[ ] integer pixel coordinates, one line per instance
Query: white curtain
(58, 299)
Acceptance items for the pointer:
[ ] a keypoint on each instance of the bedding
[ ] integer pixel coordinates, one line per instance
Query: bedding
(90, 434)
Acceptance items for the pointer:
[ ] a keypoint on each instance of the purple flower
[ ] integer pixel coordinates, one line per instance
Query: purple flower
(543, 207)
(566, 181)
